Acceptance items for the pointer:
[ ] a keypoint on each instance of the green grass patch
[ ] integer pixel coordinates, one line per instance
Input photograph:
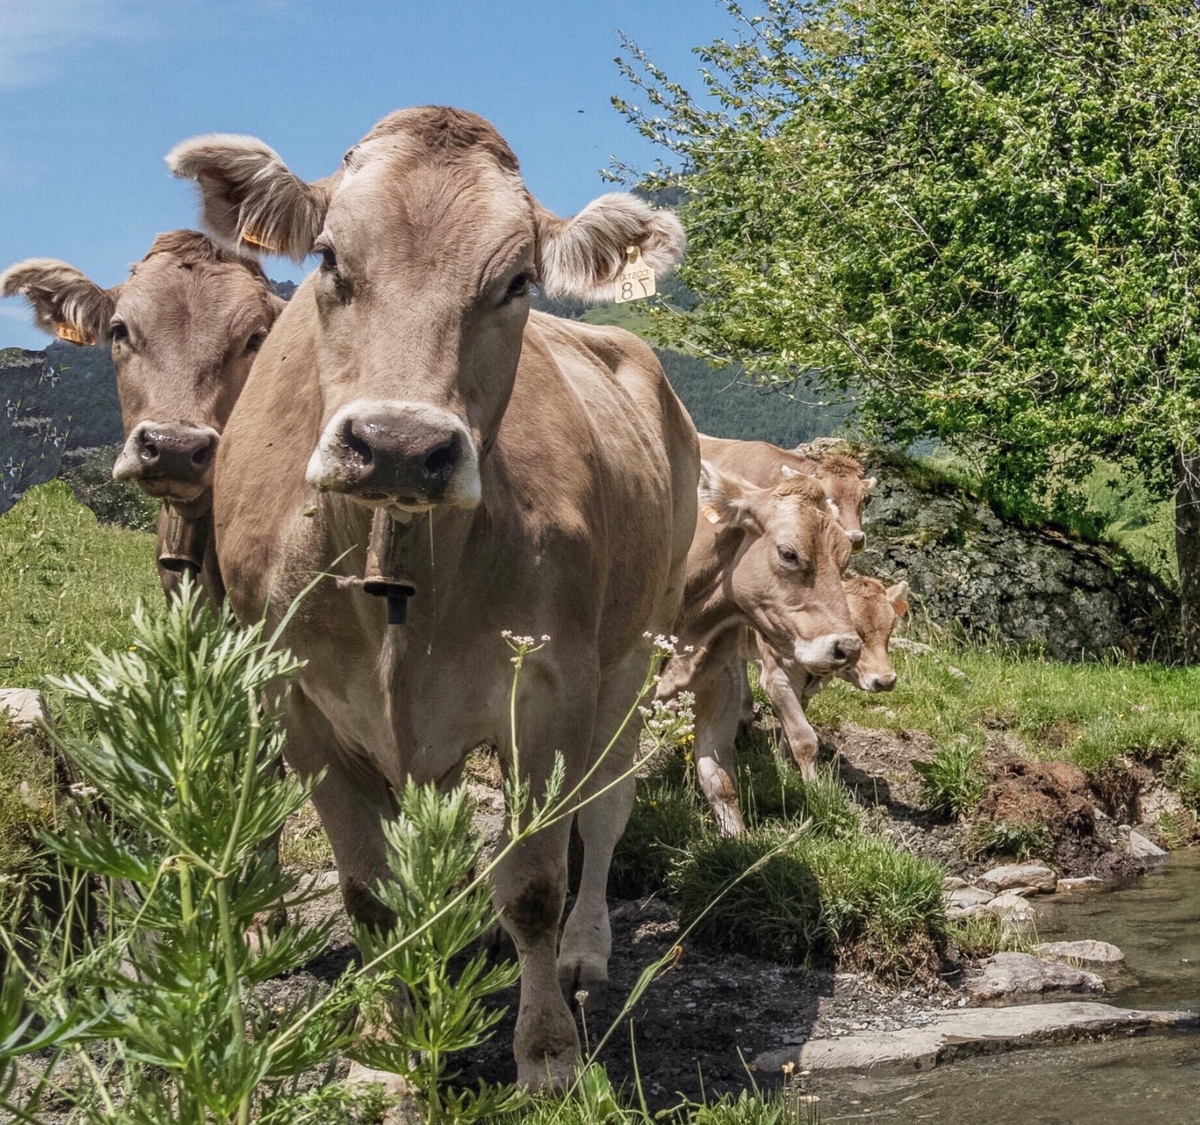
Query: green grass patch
(27, 803)
(952, 782)
(811, 899)
(1092, 713)
(66, 582)
(1022, 839)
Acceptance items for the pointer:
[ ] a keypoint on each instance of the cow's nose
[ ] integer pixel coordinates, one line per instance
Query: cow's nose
(858, 540)
(398, 458)
(168, 452)
(881, 681)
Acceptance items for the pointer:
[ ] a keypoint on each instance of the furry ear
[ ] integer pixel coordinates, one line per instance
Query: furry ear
(725, 499)
(580, 257)
(249, 199)
(898, 596)
(870, 482)
(66, 303)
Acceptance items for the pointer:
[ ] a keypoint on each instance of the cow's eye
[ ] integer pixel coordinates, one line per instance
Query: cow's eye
(788, 557)
(329, 262)
(518, 287)
(119, 332)
(256, 340)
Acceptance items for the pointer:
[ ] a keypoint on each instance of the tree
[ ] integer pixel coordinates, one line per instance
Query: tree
(982, 218)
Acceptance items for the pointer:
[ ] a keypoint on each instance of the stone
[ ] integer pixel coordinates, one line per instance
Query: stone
(1020, 875)
(25, 707)
(961, 1034)
(903, 644)
(1012, 907)
(1022, 974)
(1088, 952)
(1141, 848)
(1083, 883)
(962, 897)
(952, 883)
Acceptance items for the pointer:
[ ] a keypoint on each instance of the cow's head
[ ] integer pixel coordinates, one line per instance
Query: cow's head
(875, 610)
(429, 242)
(786, 574)
(184, 329)
(847, 491)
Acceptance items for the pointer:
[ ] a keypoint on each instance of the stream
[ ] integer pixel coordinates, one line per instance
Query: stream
(1155, 920)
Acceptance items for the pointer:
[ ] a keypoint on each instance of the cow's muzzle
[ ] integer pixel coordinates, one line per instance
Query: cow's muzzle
(414, 457)
(170, 460)
(829, 653)
(871, 681)
(858, 540)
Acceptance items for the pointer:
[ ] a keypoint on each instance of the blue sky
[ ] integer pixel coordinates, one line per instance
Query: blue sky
(93, 93)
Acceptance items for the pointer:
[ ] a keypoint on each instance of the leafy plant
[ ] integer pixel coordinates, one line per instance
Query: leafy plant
(1022, 839)
(951, 781)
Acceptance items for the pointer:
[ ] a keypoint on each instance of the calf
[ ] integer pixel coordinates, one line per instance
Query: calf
(768, 560)
(184, 328)
(789, 685)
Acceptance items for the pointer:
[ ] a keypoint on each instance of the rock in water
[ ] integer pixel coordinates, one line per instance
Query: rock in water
(1084, 952)
(1141, 848)
(1021, 974)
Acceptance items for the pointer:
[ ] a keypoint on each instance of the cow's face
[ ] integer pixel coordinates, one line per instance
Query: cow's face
(874, 610)
(786, 576)
(184, 330)
(847, 492)
(428, 244)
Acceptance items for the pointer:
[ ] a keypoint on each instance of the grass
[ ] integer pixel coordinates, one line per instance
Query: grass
(1021, 839)
(951, 782)
(1094, 714)
(66, 582)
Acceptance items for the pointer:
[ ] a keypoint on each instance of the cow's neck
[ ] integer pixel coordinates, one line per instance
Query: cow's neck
(709, 611)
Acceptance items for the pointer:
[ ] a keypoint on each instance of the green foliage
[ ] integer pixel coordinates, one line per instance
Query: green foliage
(435, 850)
(1022, 839)
(89, 473)
(1090, 713)
(980, 218)
(982, 935)
(180, 796)
(65, 583)
(817, 896)
(951, 781)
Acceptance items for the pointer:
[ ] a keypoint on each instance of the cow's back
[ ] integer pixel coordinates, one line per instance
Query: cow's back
(759, 462)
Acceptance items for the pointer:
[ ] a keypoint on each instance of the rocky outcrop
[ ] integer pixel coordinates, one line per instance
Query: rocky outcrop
(971, 569)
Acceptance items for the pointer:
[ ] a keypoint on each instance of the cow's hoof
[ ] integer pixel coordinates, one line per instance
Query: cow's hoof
(548, 1074)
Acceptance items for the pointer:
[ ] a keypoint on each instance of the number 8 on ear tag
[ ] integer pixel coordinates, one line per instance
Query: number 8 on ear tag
(636, 280)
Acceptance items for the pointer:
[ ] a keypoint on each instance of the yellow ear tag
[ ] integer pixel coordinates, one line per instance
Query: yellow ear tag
(73, 335)
(636, 280)
(710, 513)
(256, 239)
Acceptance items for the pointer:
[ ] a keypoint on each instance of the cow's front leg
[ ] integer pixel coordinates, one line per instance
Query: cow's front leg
(718, 705)
(786, 687)
(530, 883)
(587, 936)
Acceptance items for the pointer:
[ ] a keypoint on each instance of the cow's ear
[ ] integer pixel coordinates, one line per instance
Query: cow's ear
(870, 482)
(250, 199)
(65, 302)
(898, 596)
(726, 499)
(580, 257)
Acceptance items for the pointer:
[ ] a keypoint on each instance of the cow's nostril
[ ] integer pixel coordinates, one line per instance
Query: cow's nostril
(149, 451)
(201, 457)
(440, 463)
(357, 446)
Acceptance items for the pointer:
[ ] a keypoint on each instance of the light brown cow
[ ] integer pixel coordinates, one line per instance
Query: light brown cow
(762, 463)
(541, 475)
(184, 328)
(789, 685)
(766, 559)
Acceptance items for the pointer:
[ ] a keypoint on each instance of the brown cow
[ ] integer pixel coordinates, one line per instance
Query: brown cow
(185, 328)
(538, 475)
(762, 463)
(789, 685)
(767, 559)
